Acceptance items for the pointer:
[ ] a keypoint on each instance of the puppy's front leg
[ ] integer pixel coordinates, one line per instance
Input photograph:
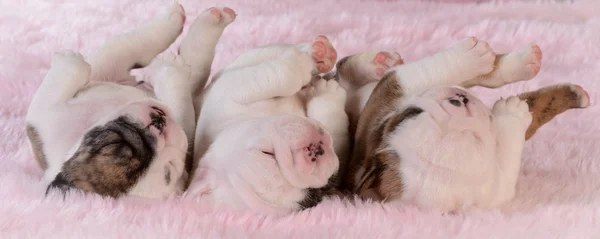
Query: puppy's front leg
(326, 105)
(67, 75)
(511, 117)
(320, 49)
(172, 88)
(281, 77)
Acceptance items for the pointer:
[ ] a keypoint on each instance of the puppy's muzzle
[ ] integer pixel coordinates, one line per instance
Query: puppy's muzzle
(459, 100)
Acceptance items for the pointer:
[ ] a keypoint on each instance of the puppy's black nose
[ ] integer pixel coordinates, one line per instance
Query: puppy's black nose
(158, 119)
(455, 102)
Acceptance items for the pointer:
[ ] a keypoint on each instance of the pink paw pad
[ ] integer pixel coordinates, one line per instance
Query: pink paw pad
(215, 12)
(386, 60)
(537, 52)
(323, 53)
(229, 12)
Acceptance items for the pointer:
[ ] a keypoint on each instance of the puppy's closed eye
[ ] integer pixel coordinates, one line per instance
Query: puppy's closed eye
(268, 153)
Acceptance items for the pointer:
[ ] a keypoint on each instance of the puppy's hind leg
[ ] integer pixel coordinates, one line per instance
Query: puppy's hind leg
(198, 47)
(67, 75)
(550, 101)
(137, 48)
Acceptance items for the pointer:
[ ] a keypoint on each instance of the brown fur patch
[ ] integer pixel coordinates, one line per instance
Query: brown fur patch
(548, 102)
(110, 160)
(37, 146)
(368, 139)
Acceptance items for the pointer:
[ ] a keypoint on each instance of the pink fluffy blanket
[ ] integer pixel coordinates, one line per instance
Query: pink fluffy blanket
(559, 187)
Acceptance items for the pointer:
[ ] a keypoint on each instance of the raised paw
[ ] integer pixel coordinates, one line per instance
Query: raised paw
(583, 98)
(521, 65)
(327, 91)
(513, 111)
(323, 53)
(473, 53)
(220, 16)
(169, 23)
(71, 61)
(385, 60)
(168, 64)
(360, 69)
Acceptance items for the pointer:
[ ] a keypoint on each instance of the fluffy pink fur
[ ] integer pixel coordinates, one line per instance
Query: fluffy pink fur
(558, 191)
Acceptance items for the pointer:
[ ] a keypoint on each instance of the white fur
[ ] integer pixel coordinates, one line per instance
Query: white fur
(257, 104)
(457, 157)
(62, 119)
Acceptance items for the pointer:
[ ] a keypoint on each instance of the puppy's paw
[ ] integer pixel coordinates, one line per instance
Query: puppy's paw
(168, 65)
(217, 16)
(322, 52)
(327, 92)
(71, 61)
(473, 53)
(516, 66)
(512, 111)
(298, 67)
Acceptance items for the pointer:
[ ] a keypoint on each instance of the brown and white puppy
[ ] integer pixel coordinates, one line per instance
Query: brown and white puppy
(94, 128)
(422, 138)
(265, 139)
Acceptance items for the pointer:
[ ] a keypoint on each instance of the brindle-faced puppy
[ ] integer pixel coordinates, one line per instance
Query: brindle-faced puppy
(124, 138)
(422, 138)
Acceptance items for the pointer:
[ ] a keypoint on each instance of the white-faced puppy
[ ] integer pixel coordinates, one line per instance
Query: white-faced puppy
(422, 138)
(92, 127)
(265, 138)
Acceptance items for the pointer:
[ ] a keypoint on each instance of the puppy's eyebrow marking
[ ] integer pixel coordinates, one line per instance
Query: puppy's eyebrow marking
(390, 123)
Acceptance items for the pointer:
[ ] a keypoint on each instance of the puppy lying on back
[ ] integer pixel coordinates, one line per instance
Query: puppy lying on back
(94, 128)
(423, 138)
(265, 139)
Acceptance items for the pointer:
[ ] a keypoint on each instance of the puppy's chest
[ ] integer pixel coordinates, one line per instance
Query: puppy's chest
(465, 180)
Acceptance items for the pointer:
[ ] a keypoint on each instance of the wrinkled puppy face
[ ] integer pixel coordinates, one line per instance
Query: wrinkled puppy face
(138, 150)
(440, 120)
(277, 163)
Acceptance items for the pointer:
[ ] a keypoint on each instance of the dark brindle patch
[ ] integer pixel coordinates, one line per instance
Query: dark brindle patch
(315, 195)
(37, 146)
(110, 159)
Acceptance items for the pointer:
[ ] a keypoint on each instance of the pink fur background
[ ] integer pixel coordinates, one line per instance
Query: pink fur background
(558, 191)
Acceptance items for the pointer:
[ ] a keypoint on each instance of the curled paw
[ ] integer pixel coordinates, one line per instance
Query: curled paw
(328, 91)
(513, 110)
(71, 61)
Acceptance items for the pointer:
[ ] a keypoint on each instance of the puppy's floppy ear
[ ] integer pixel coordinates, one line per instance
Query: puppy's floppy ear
(60, 184)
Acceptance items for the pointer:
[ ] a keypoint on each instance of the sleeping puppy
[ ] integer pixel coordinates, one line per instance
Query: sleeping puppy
(423, 138)
(92, 127)
(266, 139)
